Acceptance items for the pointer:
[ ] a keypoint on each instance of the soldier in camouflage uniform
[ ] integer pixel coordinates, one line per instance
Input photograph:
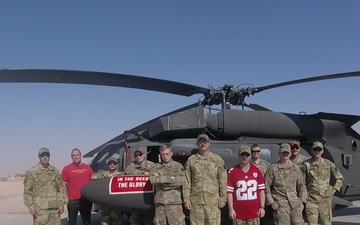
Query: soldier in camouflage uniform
(262, 165)
(285, 189)
(168, 178)
(140, 166)
(317, 172)
(109, 216)
(296, 157)
(205, 187)
(44, 191)
(257, 160)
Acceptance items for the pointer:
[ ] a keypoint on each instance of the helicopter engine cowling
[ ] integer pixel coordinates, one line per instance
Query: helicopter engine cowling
(239, 123)
(234, 124)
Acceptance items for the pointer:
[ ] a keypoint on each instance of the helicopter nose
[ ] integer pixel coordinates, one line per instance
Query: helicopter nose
(97, 191)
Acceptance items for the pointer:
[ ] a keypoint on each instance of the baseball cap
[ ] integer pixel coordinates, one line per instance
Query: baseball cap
(317, 144)
(202, 136)
(140, 149)
(42, 150)
(284, 147)
(295, 143)
(111, 159)
(244, 148)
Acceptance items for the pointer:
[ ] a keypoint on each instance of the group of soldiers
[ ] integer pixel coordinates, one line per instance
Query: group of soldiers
(291, 187)
(253, 189)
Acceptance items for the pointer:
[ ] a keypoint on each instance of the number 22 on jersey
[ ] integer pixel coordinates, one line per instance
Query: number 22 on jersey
(246, 190)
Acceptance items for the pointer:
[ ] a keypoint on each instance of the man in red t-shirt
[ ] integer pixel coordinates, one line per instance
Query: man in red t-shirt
(76, 175)
(246, 191)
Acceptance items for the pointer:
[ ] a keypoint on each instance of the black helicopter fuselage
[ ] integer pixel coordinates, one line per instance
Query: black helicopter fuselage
(229, 129)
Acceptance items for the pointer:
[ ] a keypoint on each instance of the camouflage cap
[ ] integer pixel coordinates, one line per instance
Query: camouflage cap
(111, 159)
(295, 143)
(244, 148)
(317, 144)
(140, 149)
(42, 150)
(284, 147)
(202, 136)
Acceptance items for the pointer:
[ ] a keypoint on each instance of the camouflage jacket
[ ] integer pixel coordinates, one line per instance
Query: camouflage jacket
(284, 185)
(105, 174)
(262, 165)
(299, 159)
(136, 169)
(317, 177)
(168, 180)
(44, 188)
(205, 179)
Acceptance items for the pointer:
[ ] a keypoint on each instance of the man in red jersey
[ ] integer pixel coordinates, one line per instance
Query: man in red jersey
(76, 175)
(246, 191)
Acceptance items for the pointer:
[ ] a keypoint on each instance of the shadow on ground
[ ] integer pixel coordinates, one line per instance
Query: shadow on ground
(95, 220)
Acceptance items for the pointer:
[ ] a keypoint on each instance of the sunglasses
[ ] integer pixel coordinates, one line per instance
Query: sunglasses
(138, 155)
(255, 151)
(245, 154)
(317, 149)
(45, 154)
(295, 147)
(112, 163)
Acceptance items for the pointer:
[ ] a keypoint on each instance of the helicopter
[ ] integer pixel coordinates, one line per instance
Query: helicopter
(227, 127)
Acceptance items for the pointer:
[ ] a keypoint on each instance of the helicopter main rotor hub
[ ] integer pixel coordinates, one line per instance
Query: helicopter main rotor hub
(228, 95)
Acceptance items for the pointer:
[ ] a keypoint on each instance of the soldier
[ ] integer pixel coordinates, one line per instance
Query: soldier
(296, 157)
(262, 165)
(205, 186)
(140, 166)
(317, 172)
(76, 175)
(246, 191)
(257, 160)
(285, 189)
(44, 191)
(168, 178)
(109, 216)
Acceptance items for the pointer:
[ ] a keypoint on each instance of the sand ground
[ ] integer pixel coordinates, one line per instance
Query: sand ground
(13, 211)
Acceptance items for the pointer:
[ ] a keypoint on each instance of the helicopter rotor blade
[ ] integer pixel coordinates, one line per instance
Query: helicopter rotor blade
(310, 79)
(99, 78)
(256, 107)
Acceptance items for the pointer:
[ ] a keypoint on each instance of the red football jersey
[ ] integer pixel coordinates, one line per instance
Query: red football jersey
(245, 188)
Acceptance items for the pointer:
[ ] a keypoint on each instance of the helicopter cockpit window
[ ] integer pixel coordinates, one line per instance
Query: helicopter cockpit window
(99, 162)
(266, 154)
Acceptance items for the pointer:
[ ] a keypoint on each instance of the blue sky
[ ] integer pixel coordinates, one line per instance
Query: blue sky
(196, 42)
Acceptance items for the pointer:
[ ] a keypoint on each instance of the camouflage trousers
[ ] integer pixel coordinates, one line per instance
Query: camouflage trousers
(45, 217)
(246, 222)
(319, 211)
(285, 215)
(209, 214)
(111, 217)
(169, 214)
(135, 219)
